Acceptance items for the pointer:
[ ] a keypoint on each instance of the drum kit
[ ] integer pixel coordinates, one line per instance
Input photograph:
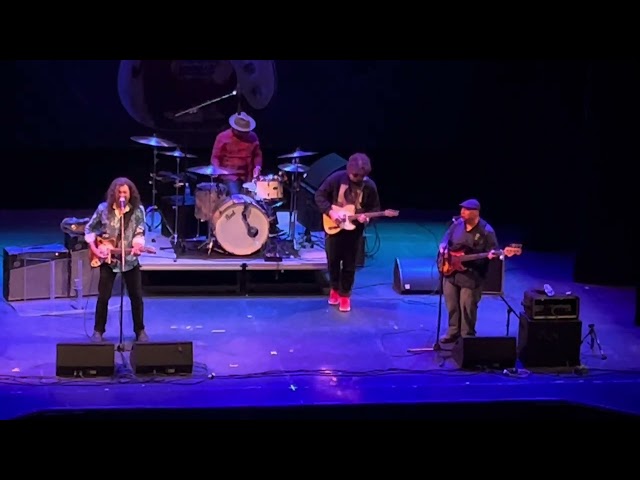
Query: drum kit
(238, 224)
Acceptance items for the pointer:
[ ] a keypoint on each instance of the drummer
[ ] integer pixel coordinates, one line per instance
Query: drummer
(238, 149)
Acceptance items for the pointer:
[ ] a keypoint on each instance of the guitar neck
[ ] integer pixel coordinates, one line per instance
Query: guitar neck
(474, 256)
(369, 215)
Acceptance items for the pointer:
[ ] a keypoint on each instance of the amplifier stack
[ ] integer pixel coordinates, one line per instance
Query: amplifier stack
(58, 270)
(550, 330)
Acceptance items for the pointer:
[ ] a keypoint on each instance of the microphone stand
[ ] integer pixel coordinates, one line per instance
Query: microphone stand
(209, 102)
(436, 346)
(120, 347)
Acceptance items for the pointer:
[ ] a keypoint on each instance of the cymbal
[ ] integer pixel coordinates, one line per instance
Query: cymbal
(211, 171)
(293, 167)
(297, 154)
(154, 141)
(178, 153)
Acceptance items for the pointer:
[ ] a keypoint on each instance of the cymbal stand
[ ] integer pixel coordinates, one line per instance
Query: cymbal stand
(174, 236)
(152, 220)
(293, 204)
(209, 241)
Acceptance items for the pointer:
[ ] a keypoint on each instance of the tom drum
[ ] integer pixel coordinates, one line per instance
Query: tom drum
(269, 188)
(240, 225)
(207, 197)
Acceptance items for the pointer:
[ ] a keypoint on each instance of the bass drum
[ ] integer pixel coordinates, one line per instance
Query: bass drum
(240, 225)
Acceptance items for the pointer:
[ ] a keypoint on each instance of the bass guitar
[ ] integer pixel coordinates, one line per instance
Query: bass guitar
(110, 245)
(347, 214)
(450, 262)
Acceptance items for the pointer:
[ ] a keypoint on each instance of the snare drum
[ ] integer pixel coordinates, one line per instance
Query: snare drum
(269, 188)
(240, 226)
(207, 197)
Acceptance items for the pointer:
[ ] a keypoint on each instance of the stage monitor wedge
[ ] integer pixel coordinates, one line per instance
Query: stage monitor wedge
(85, 360)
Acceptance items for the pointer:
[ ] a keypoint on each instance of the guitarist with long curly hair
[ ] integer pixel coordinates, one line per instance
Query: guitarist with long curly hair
(462, 289)
(352, 188)
(103, 235)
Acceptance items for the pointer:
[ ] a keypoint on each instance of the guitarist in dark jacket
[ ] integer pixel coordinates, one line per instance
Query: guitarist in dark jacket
(350, 187)
(463, 290)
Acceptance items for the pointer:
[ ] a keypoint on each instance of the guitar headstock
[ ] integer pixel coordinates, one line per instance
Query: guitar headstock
(391, 213)
(512, 249)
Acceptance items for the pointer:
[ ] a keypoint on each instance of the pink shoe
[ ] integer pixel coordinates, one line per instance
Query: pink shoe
(334, 298)
(345, 304)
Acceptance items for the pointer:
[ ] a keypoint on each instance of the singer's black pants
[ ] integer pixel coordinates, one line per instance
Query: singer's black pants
(342, 251)
(133, 281)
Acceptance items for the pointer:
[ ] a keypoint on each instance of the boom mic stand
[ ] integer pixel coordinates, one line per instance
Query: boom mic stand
(436, 346)
(209, 102)
(510, 310)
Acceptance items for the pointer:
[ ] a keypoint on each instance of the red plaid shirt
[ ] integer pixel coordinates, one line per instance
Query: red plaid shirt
(234, 153)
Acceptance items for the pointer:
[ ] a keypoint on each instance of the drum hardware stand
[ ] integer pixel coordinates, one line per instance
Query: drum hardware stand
(209, 241)
(293, 206)
(151, 224)
(307, 238)
(593, 340)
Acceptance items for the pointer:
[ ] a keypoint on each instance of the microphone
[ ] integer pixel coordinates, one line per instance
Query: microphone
(123, 202)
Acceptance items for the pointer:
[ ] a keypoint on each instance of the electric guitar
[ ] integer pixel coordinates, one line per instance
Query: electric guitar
(110, 244)
(450, 262)
(348, 214)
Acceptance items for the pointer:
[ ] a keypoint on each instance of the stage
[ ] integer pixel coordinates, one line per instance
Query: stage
(262, 348)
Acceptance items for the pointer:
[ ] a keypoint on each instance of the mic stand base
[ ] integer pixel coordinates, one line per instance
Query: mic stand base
(593, 340)
(436, 347)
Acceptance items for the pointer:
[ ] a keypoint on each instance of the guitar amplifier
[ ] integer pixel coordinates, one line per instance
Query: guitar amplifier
(38, 272)
(539, 306)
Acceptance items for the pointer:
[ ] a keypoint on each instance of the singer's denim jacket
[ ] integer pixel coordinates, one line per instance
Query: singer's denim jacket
(105, 222)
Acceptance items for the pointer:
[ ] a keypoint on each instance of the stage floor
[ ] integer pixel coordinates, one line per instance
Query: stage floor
(297, 350)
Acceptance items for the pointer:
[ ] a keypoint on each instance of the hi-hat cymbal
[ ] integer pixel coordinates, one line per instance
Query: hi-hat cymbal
(178, 153)
(298, 154)
(211, 171)
(154, 141)
(293, 167)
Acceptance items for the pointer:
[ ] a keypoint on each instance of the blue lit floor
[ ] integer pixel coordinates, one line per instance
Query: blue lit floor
(271, 351)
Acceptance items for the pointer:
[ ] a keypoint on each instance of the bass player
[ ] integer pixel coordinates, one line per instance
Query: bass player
(350, 187)
(463, 289)
(122, 204)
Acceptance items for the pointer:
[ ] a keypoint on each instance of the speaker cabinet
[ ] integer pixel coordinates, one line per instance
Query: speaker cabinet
(38, 272)
(420, 275)
(165, 358)
(308, 214)
(85, 359)
(485, 352)
(549, 343)
(494, 283)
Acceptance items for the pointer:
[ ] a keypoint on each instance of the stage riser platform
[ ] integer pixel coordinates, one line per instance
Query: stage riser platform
(239, 282)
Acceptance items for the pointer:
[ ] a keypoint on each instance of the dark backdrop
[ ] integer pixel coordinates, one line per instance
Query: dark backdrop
(548, 146)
